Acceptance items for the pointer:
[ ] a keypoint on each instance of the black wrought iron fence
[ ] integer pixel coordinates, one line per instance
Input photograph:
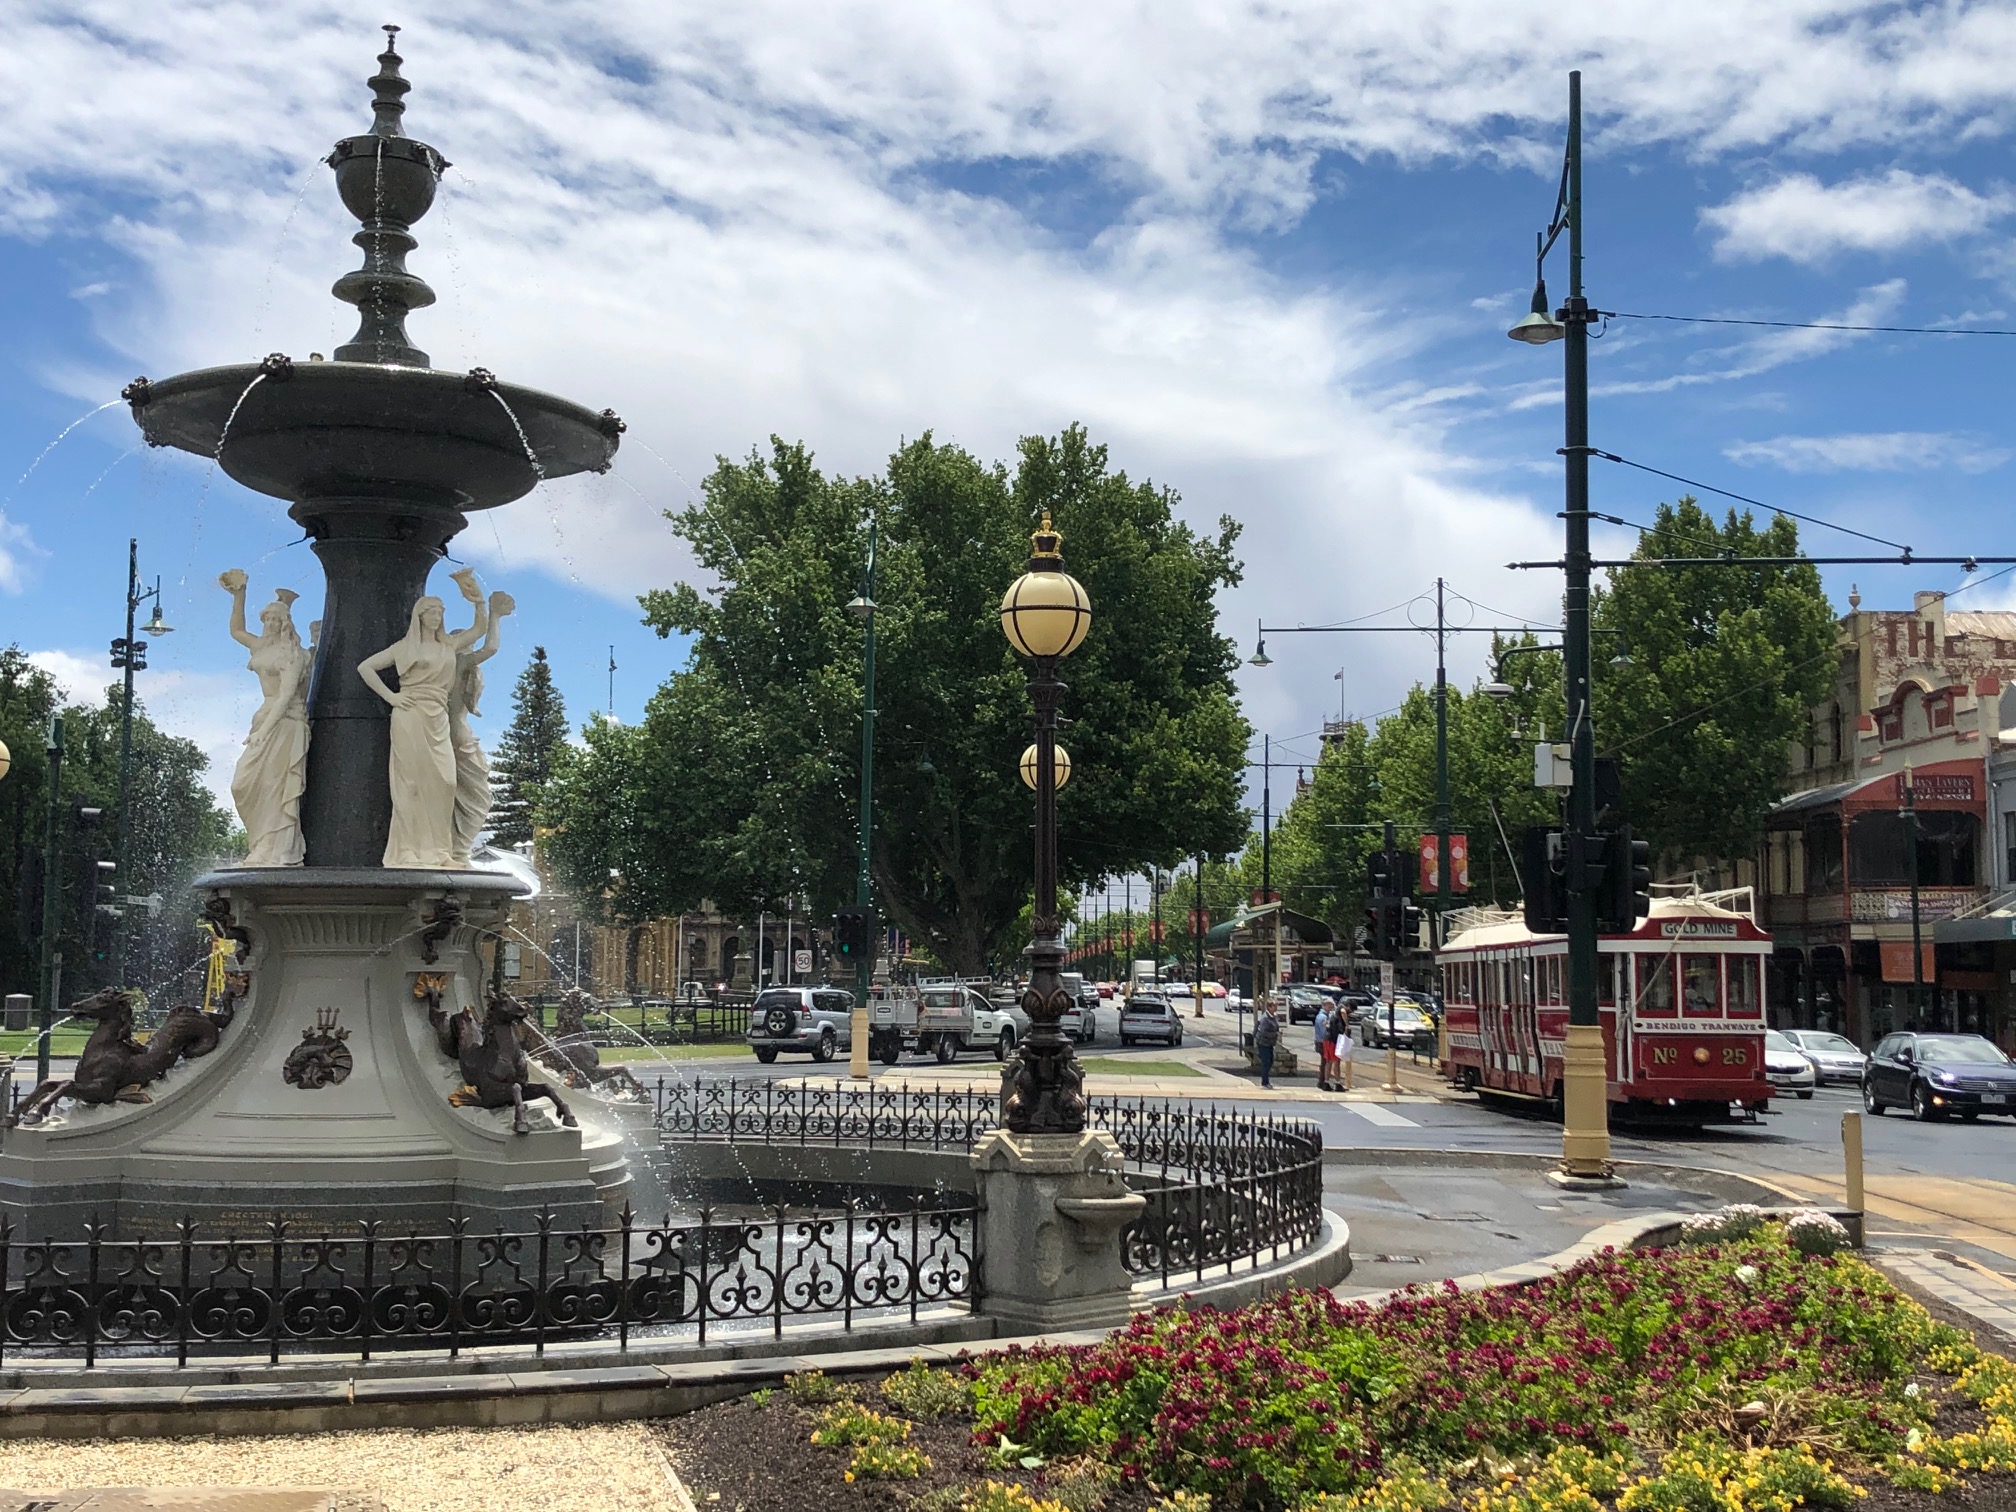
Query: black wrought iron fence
(373, 1291)
(1224, 1186)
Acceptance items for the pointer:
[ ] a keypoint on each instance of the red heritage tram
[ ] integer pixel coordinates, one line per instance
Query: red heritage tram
(1681, 999)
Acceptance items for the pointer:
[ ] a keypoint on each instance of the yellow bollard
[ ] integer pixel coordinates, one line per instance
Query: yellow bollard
(1851, 1154)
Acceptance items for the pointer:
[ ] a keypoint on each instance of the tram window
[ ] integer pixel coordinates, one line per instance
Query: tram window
(1655, 985)
(1608, 969)
(1701, 985)
(1554, 993)
(1743, 998)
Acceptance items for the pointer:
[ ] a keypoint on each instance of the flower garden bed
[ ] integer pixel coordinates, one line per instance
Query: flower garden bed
(1744, 1371)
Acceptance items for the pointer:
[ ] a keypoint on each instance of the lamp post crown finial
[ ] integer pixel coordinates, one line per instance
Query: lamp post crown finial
(1046, 545)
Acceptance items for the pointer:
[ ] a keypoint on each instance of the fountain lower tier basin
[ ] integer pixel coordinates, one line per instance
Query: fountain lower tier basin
(309, 430)
(230, 1140)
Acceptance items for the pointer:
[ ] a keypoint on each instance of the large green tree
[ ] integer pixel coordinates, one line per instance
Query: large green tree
(178, 829)
(741, 783)
(1369, 776)
(528, 752)
(1725, 663)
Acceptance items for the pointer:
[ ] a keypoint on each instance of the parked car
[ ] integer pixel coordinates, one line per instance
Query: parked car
(816, 1021)
(1150, 1016)
(1787, 1068)
(1937, 1074)
(1835, 1057)
(1304, 1003)
(1081, 1020)
(1396, 1023)
(956, 1016)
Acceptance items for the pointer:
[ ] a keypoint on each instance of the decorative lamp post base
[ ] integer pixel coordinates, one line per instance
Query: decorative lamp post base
(1585, 1121)
(1053, 1208)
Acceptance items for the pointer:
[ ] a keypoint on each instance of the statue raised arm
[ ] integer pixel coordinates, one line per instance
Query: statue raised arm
(272, 770)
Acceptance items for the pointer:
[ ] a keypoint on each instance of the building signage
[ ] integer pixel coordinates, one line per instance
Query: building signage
(1942, 787)
(1698, 929)
(1893, 905)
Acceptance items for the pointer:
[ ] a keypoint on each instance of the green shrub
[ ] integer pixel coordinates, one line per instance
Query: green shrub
(809, 1388)
(925, 1393)
(883, 1460)
(848, 1423)
(1082, 1484)
(1704, 1476)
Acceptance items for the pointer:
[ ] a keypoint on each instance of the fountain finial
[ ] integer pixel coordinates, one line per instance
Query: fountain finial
(388, 89)
(387, 181)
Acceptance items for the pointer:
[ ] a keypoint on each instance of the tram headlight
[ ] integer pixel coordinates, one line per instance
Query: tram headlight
(1700, 1055)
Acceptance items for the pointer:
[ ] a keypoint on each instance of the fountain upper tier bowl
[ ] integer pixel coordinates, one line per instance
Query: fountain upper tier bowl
(327, 430)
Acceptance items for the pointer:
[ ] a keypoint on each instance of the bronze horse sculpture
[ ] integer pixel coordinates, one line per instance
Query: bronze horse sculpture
(496, 1072)
(115, 1067)
(573, 1054)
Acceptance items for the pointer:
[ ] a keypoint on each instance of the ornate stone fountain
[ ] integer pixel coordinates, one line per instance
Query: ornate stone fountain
(329, 1097)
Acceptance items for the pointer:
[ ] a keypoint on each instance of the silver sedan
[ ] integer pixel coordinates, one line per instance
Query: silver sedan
(1835, 1057)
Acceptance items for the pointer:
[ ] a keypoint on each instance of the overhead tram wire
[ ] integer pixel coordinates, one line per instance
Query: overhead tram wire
(1808, 325)
(1746, 499)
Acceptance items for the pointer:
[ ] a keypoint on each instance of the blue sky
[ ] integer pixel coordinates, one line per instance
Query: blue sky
(1267, 253)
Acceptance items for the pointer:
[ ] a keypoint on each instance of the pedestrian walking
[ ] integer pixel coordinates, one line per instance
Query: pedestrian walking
(1323, 1048)
(1266, 1035)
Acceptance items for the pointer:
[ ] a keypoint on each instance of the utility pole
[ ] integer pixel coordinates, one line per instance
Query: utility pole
(1909, 810)
(52, 899)
(1444, 872)
(131, 656)
(863, 609)
(612, 682)
(1197, 940)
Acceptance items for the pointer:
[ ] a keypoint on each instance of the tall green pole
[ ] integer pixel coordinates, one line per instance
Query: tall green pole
(122, 878)
(864, 969)
(1444, 872)
(52, 898)
(1585, 1135)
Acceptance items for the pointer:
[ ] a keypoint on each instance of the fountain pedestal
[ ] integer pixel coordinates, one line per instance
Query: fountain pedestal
(229, 1141)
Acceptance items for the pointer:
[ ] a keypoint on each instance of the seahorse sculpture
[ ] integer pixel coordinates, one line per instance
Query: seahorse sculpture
(115, 1067)
(496, 1073)
(574, 1056)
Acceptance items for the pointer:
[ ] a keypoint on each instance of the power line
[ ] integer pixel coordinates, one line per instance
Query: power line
(1810, 325)
(1746, 499)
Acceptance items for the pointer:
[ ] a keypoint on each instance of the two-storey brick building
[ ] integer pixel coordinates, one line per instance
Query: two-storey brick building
(1920, 689)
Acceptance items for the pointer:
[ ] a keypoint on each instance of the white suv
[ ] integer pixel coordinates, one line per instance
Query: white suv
(818, 1021)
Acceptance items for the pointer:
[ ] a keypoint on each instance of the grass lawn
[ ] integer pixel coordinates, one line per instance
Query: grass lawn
(63, 1042)
(1113, 1065)
(636, 1054)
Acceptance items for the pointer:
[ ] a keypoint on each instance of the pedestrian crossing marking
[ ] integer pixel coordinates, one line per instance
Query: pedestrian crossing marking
(1386, 1118)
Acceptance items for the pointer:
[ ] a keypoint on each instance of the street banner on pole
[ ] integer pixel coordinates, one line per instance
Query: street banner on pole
(1459, 864)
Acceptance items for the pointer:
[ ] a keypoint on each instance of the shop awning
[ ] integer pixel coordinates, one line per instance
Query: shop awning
(1255, 926)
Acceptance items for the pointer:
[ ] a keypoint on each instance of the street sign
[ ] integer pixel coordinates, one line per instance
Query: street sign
(1385, 981)
(801, 961)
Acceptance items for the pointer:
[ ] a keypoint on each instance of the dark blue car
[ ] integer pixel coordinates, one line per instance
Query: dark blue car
(1937, 1074)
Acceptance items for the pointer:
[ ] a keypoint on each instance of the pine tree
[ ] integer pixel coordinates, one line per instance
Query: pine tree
(527, 753)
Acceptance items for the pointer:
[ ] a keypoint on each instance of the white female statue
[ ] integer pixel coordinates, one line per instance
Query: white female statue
(422, 769)
(472, 767)
(273, 768)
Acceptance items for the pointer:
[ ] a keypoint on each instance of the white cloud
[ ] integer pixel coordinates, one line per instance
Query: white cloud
(729, 220)
(1876, 451)
(1800, 218)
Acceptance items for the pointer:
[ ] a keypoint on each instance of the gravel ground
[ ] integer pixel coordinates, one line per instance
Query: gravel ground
(567, 1468)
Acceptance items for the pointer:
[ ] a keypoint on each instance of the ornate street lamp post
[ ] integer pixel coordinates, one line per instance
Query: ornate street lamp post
(1045, 615)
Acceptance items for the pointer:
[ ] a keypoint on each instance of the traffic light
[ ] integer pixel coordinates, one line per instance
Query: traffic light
(854, 933)
(129, 653)
(1627, 884)
(1407, 929)
(1540, 868)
